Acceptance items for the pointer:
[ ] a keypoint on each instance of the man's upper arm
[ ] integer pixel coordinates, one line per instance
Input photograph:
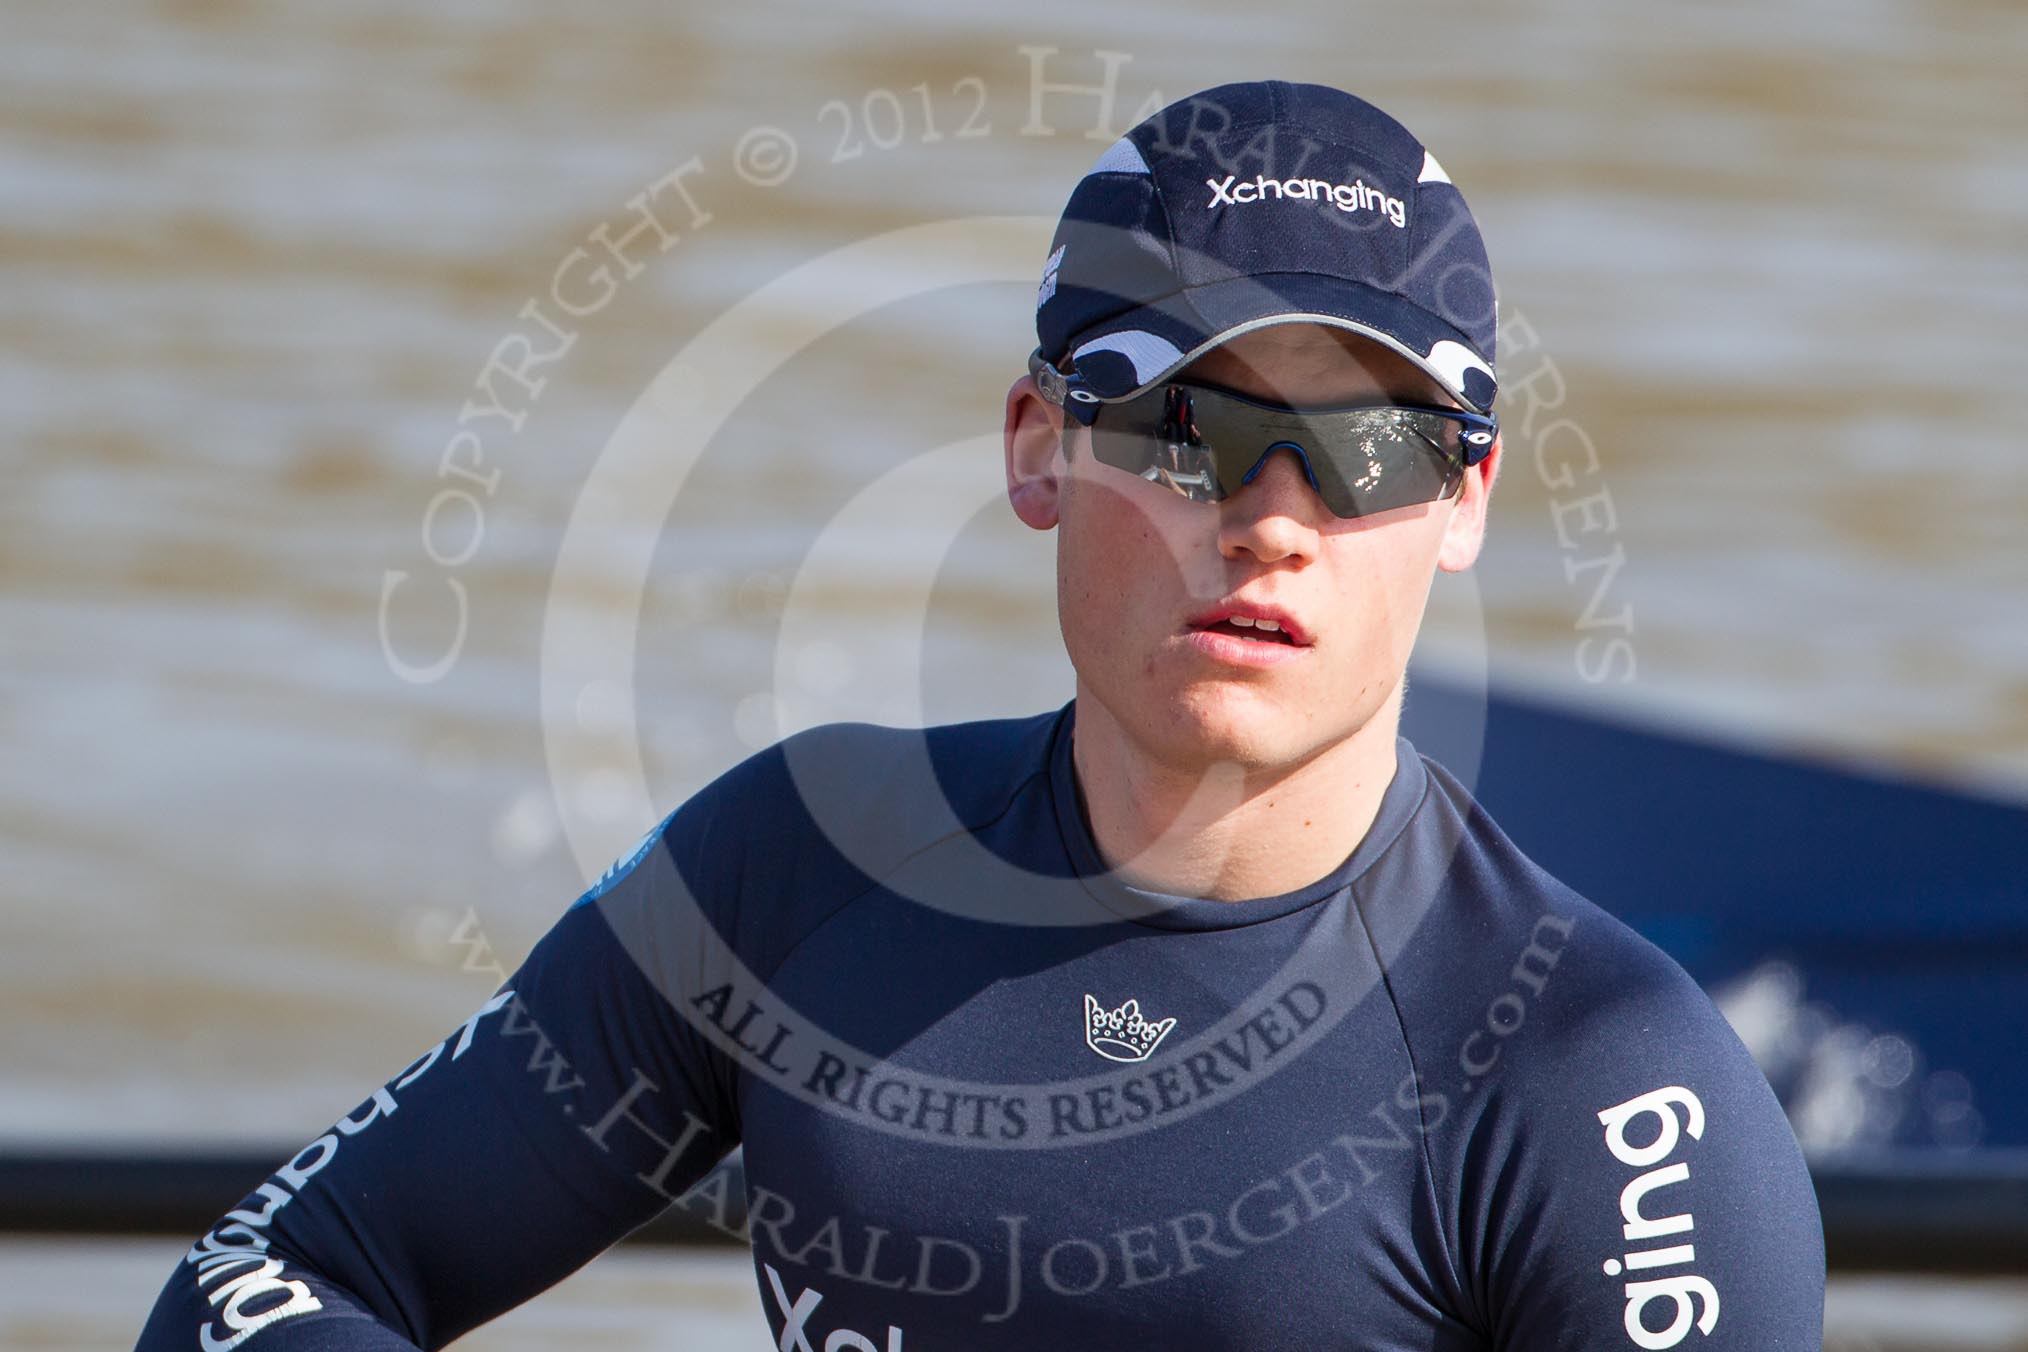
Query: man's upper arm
(568, 1110)
(1635, 1184)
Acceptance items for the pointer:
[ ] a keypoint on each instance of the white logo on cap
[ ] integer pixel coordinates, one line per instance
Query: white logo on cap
(1048, 287)
(1358, 195)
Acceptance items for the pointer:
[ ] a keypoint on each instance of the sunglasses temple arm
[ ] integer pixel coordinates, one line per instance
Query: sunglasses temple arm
(1066, 390)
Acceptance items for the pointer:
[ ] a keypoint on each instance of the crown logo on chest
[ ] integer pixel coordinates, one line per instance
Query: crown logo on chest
(1122, 1034)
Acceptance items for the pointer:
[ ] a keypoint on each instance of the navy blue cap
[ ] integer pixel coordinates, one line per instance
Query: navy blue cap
(1261, 203)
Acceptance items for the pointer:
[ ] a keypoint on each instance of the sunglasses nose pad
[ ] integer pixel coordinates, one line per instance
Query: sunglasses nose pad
(1302, 458)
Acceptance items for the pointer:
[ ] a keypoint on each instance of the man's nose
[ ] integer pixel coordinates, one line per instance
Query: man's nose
(1276, 515)
(1280, 481)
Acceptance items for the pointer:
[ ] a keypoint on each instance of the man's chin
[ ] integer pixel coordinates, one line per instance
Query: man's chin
(1231, 723)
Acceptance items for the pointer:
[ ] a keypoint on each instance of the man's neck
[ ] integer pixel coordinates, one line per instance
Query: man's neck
(1205, 830)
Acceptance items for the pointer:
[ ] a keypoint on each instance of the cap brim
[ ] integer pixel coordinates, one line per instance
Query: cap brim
(1149, 344)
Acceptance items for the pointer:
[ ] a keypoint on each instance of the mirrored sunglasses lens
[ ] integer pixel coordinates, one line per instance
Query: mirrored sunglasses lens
(1385, 458)
(1197, 442)
(1157, 437)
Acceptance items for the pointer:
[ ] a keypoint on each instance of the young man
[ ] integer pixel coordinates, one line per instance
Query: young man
(1200, 1013)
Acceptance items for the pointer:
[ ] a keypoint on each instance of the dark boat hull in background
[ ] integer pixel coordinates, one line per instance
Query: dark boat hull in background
(1868, 935)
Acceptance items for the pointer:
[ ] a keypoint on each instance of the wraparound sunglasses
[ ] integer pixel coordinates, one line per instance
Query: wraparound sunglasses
(1206, 443)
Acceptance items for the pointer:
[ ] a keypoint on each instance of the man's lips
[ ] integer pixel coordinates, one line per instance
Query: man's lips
(1242, 633)
(1253, 621)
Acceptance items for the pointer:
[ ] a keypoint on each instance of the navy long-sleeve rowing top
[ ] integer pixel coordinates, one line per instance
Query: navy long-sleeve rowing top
(990, 1097)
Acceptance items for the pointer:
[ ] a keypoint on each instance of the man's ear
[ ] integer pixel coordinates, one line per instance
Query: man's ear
(1465, 532)
(1035, 468)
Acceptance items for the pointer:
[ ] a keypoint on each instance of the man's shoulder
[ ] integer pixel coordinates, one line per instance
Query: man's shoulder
(787, 836)
(1588, 1110)
(891, 784)
(1513, 958)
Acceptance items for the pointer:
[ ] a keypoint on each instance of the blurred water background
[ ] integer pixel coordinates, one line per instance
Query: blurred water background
(256, 260)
